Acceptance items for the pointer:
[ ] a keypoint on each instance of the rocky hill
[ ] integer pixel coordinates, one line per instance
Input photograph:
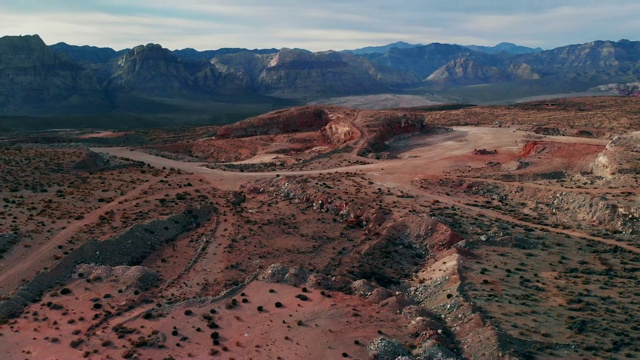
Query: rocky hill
(34, 79)
(62, 78)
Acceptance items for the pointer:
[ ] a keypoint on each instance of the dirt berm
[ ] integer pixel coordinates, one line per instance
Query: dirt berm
(129, 248)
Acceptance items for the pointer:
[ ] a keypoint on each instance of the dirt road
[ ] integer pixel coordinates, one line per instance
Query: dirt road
(14, 269)
(428, 156)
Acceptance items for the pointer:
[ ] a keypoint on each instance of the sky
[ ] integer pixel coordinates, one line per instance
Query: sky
(319, 25)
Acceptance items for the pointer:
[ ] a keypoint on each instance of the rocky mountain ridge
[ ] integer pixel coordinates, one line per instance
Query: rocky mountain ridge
(62, 79)
(506, 47)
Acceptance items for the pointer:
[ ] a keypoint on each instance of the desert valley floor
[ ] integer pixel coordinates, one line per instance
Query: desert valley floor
(324, 232)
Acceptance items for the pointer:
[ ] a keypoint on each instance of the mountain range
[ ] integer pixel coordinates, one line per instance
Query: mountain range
(506, 47)
(36, 79)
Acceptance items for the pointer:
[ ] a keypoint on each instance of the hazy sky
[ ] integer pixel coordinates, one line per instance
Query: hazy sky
(319, 25)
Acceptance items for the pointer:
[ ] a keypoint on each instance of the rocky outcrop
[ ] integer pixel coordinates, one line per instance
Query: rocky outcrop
(467, 71)
(338, 132)
(522, 71)
(620, 157)
(308, 118)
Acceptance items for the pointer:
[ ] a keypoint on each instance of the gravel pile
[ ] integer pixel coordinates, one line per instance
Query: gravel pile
(388, 349)
(362, 287)
(138, 277)
(278, 273)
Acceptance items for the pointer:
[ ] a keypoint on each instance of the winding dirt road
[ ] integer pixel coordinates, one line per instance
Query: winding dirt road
(434, 157)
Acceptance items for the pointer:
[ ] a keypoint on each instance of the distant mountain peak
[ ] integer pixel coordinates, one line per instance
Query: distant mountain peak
(381, 49)
(25, 50)
(506, 47)
(149, 52)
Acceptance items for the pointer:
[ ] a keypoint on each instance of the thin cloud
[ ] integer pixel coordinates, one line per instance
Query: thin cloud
(321, 26)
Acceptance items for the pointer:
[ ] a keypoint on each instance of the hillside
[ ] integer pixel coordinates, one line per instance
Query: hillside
(149, 79)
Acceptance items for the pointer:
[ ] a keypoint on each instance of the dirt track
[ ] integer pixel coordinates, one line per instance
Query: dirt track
(424, 156)
(13, 270)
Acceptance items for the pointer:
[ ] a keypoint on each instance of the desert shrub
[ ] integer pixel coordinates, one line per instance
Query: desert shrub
(75, 343)
(212, 325)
